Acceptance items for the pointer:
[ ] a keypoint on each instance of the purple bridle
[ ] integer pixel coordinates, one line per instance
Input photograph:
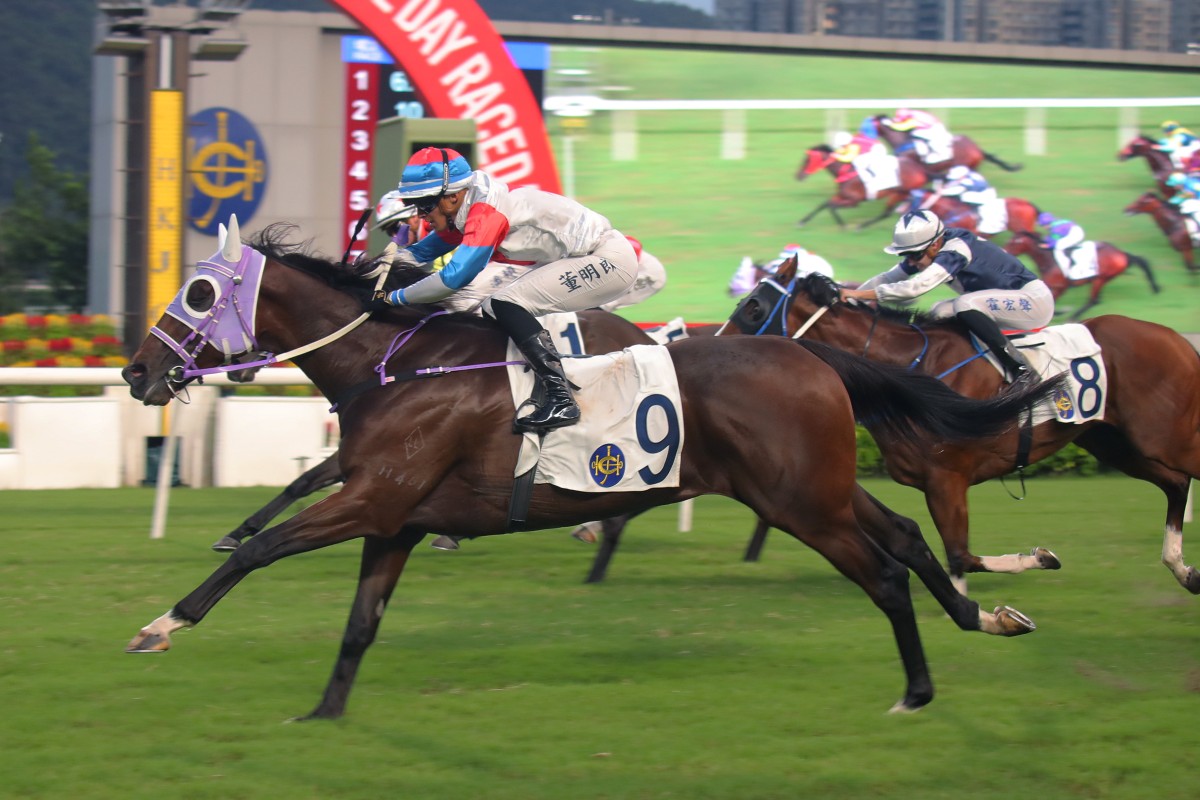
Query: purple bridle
(234, 285)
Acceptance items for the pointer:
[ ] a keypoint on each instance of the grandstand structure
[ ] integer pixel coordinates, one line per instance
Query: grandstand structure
(1149, 25)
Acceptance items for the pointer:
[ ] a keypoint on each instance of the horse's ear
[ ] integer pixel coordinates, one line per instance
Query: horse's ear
(231, 249)
(221, 234)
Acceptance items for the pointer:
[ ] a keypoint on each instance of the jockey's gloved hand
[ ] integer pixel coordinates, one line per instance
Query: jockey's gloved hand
(376, 304)
(395, 298)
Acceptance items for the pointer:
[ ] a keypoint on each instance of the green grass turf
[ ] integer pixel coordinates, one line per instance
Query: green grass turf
(498, 674)
(700, 214)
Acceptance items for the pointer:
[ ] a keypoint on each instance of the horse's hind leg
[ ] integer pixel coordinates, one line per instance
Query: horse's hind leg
(1108, 445)
(383, 561)
(902, 539)
(610, 537)
(839, 539)
(757, 539)
(327, 473)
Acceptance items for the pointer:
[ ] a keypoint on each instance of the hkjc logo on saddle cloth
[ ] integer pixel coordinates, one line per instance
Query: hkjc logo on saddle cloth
(227, 164)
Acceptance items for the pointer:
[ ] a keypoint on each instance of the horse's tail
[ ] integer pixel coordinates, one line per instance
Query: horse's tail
(1144, 266)
(896, 400)
(1001, 163)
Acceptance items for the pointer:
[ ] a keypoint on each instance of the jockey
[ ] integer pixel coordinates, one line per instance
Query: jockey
(865, 154)
(651, 277)
(995, 289)
(747, 275)
(392, 216)
(575, 259)
(932, 141)
(1063, 237)
(1177, 142)
(966, 184)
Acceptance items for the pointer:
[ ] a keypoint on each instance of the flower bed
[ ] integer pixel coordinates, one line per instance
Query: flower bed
(59, 340)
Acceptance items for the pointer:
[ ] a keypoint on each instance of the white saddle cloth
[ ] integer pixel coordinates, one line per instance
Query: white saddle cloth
(1083, 263)
(1071, 349)
(630, 434)
(878, 173)
(993, 216)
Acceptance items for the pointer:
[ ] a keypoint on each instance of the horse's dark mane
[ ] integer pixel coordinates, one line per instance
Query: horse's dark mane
(275, 242)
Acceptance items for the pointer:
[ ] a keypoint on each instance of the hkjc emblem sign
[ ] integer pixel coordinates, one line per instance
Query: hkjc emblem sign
(227, 167)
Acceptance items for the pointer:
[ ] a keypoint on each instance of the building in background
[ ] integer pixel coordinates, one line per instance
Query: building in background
(1151, 25)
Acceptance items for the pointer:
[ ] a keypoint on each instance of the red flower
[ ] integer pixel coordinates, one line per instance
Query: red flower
(13, 346)
(35, 321)
(62, 345)
(78, 319)
(46, 362)
(104, 339)
(93, 361)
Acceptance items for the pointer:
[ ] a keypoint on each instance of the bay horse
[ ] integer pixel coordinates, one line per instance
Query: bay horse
(1159, 162)
(1149, 429)
(1022, 214)
(966, 152)
(420, 454)
(1110, 260)
(1171, 222)
(850, 188)
(600, 332)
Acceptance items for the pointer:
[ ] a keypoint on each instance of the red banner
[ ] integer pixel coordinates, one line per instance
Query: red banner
(458, 63)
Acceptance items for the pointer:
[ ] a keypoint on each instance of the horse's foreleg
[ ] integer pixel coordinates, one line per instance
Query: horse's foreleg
(946, 499)
(327, 473)
(1093, 299)
(383, 560)
(757, 540)
(901, 538)
(337, 518)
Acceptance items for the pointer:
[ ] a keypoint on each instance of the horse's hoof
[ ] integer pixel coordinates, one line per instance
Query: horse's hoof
(585, 533)
(1013, 622)
(444, 543)
(910, 705)
(1192, 581)
(148, 642)
(226, 544)
(1045, 558)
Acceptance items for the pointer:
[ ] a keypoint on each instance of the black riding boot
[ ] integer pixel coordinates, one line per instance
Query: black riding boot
(558, 409)
(990, 334)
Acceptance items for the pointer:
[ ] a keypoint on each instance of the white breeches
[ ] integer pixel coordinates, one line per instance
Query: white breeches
(1027, 308)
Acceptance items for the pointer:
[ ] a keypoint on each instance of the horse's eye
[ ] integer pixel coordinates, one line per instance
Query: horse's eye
(199, 295)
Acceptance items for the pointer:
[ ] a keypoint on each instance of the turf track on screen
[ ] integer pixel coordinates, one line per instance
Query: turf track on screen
(498, 674)
(701, 214)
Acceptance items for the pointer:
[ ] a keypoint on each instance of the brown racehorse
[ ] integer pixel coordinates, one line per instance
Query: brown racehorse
(850, 188)
(1149, 428)
(601, 332)
(1110, 260)
(1022, 214)
(423, 454)
(1171, 222)
(1159, 162)
(966, 152)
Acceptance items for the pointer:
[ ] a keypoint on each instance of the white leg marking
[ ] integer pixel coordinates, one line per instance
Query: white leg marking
(165, 625)
(1172, 553)
(960, 583)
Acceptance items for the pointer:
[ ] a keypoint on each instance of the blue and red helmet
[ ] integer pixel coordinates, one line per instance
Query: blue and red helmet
(434, 171)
